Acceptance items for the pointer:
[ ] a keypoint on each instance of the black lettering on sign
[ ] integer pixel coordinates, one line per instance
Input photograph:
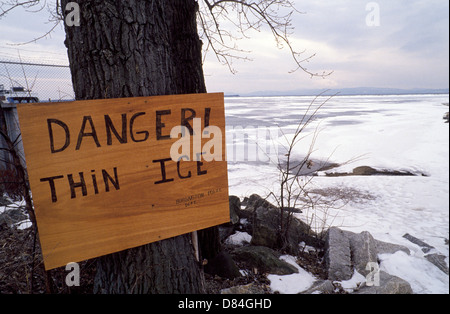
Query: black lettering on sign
(51, 137)
(185, 121)
(178, 169)
(94, 181)
(110, 127)
(207, 116)
(107, 177)
(160, 125)
(200, 172)
(73, 185)
(145, 133)
(163, 170)
(83, 134)
(81, 184)
(51, 181)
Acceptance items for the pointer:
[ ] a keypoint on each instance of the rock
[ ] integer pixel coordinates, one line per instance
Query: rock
(255, 201)
(388, 285)
(346, 250)
(12, 216)
(235, 208)
(320, 287)
(265, 220)
(424, 246)
(265, 228)
(251, 288)
(225, 231)
(439, 261)
(369, 171)
(364, 171)
(337, 255)
(363, 250)
(222, 265)
(390, 248)
(435, 258)
(264, 259)
(266, 225)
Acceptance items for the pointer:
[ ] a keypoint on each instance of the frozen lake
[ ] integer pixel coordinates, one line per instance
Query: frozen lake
(404, 133)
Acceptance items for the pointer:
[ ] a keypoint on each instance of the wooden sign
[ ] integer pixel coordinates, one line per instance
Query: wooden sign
(108, 175)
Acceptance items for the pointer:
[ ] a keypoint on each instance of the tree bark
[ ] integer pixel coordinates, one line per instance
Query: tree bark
(129, 48)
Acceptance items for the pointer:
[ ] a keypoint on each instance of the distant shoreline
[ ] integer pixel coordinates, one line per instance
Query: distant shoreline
(313, 95)
(369, 91)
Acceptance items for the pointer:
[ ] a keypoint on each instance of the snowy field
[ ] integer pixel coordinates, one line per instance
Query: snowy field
(404, 133)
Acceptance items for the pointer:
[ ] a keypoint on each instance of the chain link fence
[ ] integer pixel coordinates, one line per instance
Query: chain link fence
(22, 81)
(42, 82)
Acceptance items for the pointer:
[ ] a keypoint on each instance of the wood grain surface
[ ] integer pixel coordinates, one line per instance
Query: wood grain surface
(102, 176)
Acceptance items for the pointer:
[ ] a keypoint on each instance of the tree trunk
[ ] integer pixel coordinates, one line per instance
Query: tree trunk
(129, 48)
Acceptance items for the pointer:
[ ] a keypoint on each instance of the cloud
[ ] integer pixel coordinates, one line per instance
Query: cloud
(408, 49)
(21, 26)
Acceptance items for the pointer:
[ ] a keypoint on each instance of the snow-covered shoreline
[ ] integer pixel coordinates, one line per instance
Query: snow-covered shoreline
(388, 132)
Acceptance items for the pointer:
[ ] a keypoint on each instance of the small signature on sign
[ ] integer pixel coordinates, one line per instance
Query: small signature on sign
(194, 198)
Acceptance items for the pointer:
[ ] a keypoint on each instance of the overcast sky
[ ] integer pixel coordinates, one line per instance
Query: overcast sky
(408, 48)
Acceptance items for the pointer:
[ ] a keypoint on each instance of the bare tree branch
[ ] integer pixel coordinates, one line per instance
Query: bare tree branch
(239, 17)
(54, 10)
(250, 15)
(8, 6)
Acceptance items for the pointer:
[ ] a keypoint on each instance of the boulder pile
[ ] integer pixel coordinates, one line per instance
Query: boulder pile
(342, 253)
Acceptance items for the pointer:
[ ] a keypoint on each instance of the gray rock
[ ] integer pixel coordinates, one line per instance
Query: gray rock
(435, 258)
(364, 171)
(439, 261)
(369, 171)
(265, 228)
(225, 231)
(320, 287)
(264, 259)
(337, 255)
(388, 285)
(255, 201)
(345, 250)
(265, 220)
(251, 288)
(424, 246)
(363, 249)
(12, 216)
(390, 248)
(235, 208)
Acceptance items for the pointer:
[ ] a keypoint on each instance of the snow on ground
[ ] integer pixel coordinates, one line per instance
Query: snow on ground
(294, 283)
(15, 205)
(384, 132)
(239, 238)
